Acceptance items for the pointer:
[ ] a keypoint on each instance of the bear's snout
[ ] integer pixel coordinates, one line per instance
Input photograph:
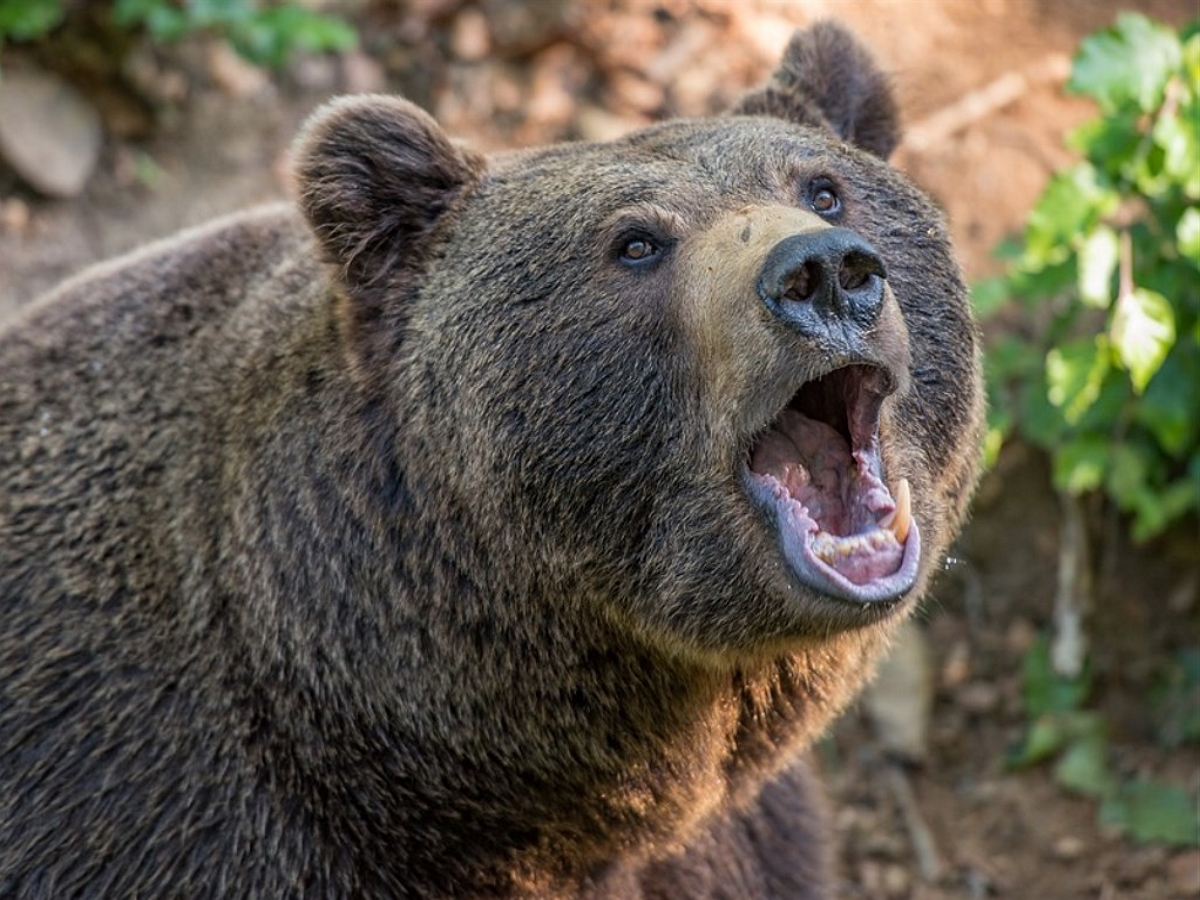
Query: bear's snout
(772, 296)
(821, 282)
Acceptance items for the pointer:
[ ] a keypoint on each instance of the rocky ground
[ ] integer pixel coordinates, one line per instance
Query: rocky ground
(173, 137)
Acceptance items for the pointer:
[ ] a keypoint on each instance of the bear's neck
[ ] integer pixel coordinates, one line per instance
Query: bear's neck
(532, 773)
(531, 755)
(424, 718)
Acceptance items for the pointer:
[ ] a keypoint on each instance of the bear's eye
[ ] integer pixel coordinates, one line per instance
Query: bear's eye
(638, 249)
(824, 199)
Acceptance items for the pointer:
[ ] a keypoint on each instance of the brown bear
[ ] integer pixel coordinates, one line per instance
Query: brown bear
(475, 526)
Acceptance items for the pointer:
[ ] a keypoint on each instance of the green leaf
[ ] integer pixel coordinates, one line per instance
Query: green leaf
(1009, 249)
(1047, 735)
(162, 20)
(1053, 732)
(1149, 515)
(1098, 255)
(1179, 497)
(1079, 464)
(1109, 143)
(218, 13)
(131, 13)
(1113, 144)
(1142, 332)
(1116, 396)
(259, 43)
(993, 442)
(1128, 472)
(1012, 357)
(271, 36)
(24, 20)
(311, 31)
(1041, 422)
(1157, 509)
(1153, 811)
(1127, 64)
(1167, 408)
(1187, 235)
(1175, 135)
(1035, 280)
(1191, 52)
(1071, 204)
(1176, 702)
(168, 24)
(1189, 113)
(1075, 373)
(1084, 766)
(989, 296)
(1043, 689)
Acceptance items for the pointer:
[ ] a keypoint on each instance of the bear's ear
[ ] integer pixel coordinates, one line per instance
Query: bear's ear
(376, 177)
(828, 79)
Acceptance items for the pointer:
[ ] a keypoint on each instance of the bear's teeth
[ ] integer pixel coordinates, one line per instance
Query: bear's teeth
(899, 520)
(831, 548)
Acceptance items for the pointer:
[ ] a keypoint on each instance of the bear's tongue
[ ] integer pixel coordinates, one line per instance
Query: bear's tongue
(856, 527)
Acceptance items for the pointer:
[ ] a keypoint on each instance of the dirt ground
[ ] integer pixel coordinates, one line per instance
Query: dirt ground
(191, 134)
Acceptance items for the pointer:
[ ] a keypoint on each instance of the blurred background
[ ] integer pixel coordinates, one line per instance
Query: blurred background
(1036, 732)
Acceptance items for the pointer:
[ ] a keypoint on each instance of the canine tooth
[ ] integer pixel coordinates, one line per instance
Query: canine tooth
(900, 518)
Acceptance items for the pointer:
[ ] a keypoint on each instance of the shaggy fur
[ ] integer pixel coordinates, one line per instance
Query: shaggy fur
(397, 545)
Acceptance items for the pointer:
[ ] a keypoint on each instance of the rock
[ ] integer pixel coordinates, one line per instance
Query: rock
(49, 134)
(312, 72)
(14, 216)
(1020, 636)
(1183, 873)
(1182, 598)
(153, 78)
(233, 74)
(471, 40)
(900, 698)
(597, 124)
(979, 697)
(896, 881)
(1140, 864)
(1068, 847)
(883, 880)
(518, 29)
(956, 670)
(558, 76)
(631, 91)
(361, 74)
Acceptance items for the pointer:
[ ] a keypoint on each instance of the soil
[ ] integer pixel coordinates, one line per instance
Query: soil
(191, 134)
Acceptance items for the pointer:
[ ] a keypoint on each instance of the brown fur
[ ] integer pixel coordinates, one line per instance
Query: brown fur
(398, 548)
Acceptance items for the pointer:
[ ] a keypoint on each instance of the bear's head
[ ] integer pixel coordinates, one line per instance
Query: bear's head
(717, 378)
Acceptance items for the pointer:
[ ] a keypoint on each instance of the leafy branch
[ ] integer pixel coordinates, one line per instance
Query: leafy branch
(1102, 370)
(1108, 267)
(1075, 739)
(264, 33)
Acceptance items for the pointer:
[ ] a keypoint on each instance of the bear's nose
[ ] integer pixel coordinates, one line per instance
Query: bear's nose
(823, 281)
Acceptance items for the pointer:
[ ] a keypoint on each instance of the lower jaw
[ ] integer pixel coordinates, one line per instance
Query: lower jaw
(818, 575)
(796, 535)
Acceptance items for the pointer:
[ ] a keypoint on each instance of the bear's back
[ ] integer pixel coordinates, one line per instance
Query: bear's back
(110, 402)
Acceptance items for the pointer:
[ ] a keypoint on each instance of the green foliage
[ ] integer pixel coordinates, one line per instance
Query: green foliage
(1176, 701)
(1108, 267)
(267, 34)
(1152, 811)
(1075, 738)
(26, 20)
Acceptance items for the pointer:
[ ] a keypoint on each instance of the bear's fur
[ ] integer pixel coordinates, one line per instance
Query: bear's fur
(407, 544)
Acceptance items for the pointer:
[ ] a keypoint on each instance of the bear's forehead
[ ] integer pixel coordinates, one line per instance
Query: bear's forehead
(685, 164)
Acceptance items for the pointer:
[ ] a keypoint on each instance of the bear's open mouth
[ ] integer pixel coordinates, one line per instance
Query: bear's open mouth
(817, 475)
